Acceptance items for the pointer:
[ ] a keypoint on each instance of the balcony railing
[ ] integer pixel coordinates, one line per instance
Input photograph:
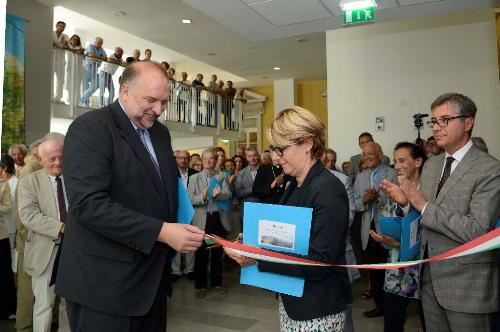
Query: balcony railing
(84, 82)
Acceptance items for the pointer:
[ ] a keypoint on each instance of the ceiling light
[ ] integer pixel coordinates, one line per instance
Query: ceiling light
(252, 47)
(186, 21)
(263, 77)
(301, 40)
(120, 14)
(211, 53)
(276, 68)
(356, 4)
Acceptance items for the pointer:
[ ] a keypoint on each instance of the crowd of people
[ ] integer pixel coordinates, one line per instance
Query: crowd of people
(104, 231)
(84, 76)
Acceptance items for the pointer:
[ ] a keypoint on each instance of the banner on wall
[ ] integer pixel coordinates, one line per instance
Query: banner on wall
(13, 83)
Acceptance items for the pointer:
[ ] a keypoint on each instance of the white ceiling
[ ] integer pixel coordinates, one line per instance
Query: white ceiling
(250, 37)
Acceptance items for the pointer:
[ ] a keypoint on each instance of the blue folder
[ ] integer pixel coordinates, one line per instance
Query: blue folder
(223, 205)
(185, 210)
(405, 230)
(300, 218)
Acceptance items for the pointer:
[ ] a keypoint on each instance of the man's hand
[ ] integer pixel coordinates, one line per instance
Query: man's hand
(205, 193)
(370, 195)
(62, 229)
(183, 238)
(394, 192)
(415, 196)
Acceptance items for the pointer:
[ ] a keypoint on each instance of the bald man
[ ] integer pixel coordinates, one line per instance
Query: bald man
(94, 54)
(370, 201)
(121, 232)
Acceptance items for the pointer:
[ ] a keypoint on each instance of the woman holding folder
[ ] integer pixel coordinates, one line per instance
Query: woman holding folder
(298, 143)
(402, 284)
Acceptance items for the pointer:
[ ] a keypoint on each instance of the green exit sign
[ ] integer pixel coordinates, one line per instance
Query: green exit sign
(359, 15)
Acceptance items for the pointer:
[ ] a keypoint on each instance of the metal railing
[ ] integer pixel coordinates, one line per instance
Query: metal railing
(83, 81)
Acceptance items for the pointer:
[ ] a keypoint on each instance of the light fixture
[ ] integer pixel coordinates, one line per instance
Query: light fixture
(186, 21)
(277, 68)
(120, 14)
(356, 4)
(301, 40)
(211, 53)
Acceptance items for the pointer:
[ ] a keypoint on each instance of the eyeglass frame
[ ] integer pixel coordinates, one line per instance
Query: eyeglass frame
(431, 123)
(281, 150)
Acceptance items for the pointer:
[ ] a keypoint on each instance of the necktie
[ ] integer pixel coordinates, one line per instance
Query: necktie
(61, 202)
(446, 174)
(143, 140)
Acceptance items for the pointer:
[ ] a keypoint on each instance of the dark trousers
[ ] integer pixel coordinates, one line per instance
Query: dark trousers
(376, 253)
(83, 319)
(395, 312)
(7, 288)
(203, 256)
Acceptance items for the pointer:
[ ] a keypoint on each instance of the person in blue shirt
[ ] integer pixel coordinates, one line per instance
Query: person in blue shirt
(93, 54)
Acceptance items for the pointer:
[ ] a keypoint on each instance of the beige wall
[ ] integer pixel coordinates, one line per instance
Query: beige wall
(397, 69)
(37, 64)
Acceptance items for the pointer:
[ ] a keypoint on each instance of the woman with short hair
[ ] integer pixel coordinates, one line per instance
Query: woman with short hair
(298, 143)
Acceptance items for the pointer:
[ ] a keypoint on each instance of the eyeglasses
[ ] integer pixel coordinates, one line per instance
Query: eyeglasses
(368, 154)
(279, 150)
(443, 122)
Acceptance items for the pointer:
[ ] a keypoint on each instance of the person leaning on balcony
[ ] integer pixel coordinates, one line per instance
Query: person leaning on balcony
(229, 92)
(171, 74)
(106, 72)
(212, 85)
(74, 69)
(61, 40)
(298, 143)
(136, 54)
(182, 93)
(94, 53)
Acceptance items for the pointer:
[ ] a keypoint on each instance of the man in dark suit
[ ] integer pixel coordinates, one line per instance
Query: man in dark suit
(121, 181)
(459, 199)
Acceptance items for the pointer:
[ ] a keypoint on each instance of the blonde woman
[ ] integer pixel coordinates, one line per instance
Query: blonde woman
(298, 142)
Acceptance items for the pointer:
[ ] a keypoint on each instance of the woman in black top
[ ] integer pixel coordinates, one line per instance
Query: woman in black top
(298, 143)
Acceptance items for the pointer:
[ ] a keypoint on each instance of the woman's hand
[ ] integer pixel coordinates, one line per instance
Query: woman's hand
(381, 238)
(240, 259)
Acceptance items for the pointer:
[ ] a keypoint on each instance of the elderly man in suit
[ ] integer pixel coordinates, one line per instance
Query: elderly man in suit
(459, 199)
(42, 205)
(363, 139)
(212, 216)
(370, 201)
(121, 233)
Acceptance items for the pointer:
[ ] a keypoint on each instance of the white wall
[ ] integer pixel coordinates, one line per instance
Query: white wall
(285, 94)
(397, 69)
(37, 64)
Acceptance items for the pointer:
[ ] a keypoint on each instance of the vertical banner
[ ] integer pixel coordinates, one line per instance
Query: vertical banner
(3, 8)
(13, 83)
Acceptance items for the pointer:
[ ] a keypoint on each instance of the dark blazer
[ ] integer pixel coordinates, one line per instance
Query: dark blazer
(326, 290)
(110, 260)
(262, 184)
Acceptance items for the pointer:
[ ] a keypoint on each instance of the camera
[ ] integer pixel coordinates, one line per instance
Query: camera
(417, 120)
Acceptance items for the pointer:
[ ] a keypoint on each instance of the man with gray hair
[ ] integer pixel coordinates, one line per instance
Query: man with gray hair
(106, 72)
(42, 205)
(94, 54)
(459, 200)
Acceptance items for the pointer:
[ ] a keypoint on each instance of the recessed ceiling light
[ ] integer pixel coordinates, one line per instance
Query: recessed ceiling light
(252, 47)
(263, 77)
(301, 40)
(120, 14)
(211, 53)
(186, 21)
(276, 68)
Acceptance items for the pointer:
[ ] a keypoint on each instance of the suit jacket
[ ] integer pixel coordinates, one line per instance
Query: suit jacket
(243, 186)
(38, 212)
(21, 230)
(356, 159)
(326, 290)
(371, 210)
(197, 184)
(467, 206)
(111, 260)
(262, 184)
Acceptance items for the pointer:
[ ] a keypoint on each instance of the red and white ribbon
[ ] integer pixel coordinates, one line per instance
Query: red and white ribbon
(486, 242)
